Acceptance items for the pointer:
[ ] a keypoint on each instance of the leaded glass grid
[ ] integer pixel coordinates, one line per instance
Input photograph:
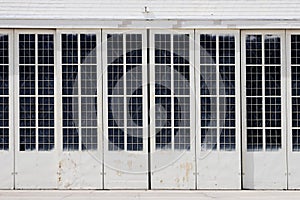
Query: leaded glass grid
(217, 91)
(79, 91)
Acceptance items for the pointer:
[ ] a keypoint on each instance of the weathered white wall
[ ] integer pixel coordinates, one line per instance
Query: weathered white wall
(97, 13)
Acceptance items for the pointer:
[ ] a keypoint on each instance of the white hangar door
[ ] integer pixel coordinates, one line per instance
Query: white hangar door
(218, 110)
(172, 115)
(293, 99)
(264, 116)
(79, 121)
(6, 105)
(125, 110)
(36, 145)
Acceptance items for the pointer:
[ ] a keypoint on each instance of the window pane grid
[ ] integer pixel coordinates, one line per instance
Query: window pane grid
(295, 88)
(125, 92)
(263, 92)
(79, 90)
(36, 100)
(217, 92)
(172, 91)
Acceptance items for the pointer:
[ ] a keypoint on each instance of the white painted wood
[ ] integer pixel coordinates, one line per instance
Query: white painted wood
(236, 9)
(32, 167)
(293, 156)
(124, 169)
(264, 169)
(218, 169)
(80, 169)
(7, 156)
(172, 168)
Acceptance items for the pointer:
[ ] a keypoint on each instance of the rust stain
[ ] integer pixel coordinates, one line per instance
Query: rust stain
(129, 163)
(161, 181)
(187, 167)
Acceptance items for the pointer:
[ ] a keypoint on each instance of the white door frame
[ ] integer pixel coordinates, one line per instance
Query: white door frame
(80, 169)
(7, 156)
(218, 169)
(125, 169)
(31, 167)
(172, 168)
(264, 169)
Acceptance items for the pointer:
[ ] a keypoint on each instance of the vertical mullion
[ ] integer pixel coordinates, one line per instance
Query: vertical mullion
(125, 91)
(172, 92)
(79, 91)
(263, 92)
(36, 92)
(217, 92)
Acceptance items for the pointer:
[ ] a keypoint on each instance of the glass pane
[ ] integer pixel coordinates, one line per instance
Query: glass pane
(226, 49)
(116, 112)
(89, 111)
(227, 111)
(46, 111)
(27, 80)
(295, 46)
(88, 49)
(182, 139)
(134, 111)
(181, 80)
(134, 48)
(163, 138)
(227, 80)
(182, 111)
(115, 80)
(88, 80)
(45, 49)
(254, 49)
(70, 139)
(272, 81)
(116, 139)
(273, 112)
(115, 49)
(69, 45)
(273, 139)
(253, 81)
(4, 49)
(162, 48)
(27, 139)
(208, 80)
(69, 79)
(181, 48)
(46, 80)
(162, 80)
(227, 139)
(272, 49)
(163, 111)
(27, 111)
(296, 139)
(89, 139)
(4, 111)
(208, 139)
(296, 112)
(134, 139)
(70, 110)
(208, 49)
(208, 111)
(4, 139)
(46, 139)
(134, 80)
(254, 140)
(27, 48)
(295, 80)
(254, 112)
